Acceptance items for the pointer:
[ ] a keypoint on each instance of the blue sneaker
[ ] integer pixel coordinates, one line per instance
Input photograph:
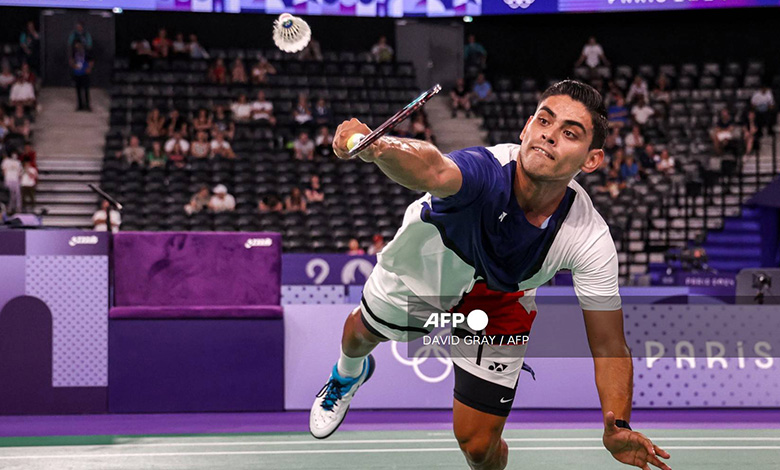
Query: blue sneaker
(331, 405)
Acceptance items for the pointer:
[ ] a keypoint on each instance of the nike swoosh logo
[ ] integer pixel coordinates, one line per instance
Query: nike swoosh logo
(502, 400)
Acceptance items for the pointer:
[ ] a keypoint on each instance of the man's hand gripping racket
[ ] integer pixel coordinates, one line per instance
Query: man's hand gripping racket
(353, 138)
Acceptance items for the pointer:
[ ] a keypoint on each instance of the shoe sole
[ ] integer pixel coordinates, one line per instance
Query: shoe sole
(371, 368)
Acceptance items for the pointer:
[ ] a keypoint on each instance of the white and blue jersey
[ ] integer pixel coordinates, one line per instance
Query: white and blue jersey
(447, 244)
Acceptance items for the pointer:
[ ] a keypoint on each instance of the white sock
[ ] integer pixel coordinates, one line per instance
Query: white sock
(350, 366)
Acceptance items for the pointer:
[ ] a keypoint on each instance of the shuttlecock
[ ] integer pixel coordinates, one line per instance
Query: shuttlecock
(291, 34)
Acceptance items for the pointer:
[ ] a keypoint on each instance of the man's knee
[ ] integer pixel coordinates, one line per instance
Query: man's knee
(480, 449)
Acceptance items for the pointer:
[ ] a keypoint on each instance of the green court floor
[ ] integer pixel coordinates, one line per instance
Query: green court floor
(710, 449)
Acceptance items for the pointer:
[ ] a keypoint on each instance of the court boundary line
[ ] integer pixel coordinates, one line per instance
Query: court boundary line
(344, 451)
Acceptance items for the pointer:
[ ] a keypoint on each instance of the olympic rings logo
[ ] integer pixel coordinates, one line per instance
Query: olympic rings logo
(422, 354)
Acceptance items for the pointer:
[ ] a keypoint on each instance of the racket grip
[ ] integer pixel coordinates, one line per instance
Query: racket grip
(354, 140)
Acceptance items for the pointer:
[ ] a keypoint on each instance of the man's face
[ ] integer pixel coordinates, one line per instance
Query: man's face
(556, 140)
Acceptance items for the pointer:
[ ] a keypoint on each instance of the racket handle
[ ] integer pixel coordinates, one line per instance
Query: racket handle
(354, 140)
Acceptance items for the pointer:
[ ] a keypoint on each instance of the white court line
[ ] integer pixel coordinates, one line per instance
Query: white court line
(414, 441)
(348, 451)
(393, 441)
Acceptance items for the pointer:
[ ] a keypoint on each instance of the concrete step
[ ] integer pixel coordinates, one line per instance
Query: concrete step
(80, 164)
(63, 186)
(68, 209)
(66, 198)
(68, 221)
(73, 176)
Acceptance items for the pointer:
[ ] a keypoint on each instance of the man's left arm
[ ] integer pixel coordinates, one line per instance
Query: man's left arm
(614, 381)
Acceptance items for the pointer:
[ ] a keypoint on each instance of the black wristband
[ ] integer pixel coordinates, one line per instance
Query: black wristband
(622, 424)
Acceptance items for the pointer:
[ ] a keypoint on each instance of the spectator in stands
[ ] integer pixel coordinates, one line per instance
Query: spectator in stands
(661, 93)
(30, 45)
(220, 148)
(638, 89)
(29, 181)
(312, 51)
(642, 112)
(23, 89)
(29, 155)
(613, 142)
(763, 103)
(459, 96)
(196, 50)
(199, 201)
(133, 153)
(474, 54)
(19, 125)
(420, 129)
(12, 176)
(217, 73)
(324, 142)
(201, 148)
(302, 111)
(314, 191)
(203, 122)
(155, 124)
(646, 156)
(295, 202)
(263, 109)
(142, 54)
(223, 124)
(482, 91)
(634, 140)
(723, 132)
(377, 243)
(7, 78)
(238, 72)
(665, 163)
(176, 123)
(221, 201)
(81, 35)
(156, 158)
(382, 51)
(241, 109)
(592, 55)
(629, 170)
(105, 213)
(354, 248)
(750, 132)
(617, 113)
(270, 203)
(161, 44)
(177, 155)
(303, 147)
(81, 64)
(261, 70)
(179, 47)
(322, 114)
(177, 139)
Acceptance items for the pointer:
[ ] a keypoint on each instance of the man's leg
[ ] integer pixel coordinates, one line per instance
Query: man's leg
(479, 436)
(356, 340)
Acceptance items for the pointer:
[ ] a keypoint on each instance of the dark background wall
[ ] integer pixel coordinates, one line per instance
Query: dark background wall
(13, 21)
(550, 44)
(250, 30)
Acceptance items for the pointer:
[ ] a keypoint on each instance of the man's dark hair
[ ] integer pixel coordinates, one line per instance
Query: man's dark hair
(591, 98)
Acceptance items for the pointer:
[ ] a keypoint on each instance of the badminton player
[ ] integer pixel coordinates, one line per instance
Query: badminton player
(500, 221)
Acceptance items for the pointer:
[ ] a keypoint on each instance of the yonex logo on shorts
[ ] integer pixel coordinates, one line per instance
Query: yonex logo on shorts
(477, 320)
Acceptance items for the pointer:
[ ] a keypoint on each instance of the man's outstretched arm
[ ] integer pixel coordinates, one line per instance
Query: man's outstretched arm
(414, 164)
(614, 381)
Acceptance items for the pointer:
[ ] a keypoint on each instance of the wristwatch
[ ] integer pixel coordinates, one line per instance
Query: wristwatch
(622, 424)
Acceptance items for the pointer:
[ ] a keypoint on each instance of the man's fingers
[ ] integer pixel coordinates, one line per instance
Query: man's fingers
(661, 452)
(609, 421)
(657, 462)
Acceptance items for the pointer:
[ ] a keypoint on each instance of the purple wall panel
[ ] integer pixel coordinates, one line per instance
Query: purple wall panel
(196, 365)
(190, 268)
